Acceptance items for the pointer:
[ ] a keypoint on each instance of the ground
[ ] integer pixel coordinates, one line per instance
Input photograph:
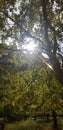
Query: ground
(31, 124)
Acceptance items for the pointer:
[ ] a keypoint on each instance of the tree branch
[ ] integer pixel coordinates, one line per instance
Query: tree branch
(26, 32)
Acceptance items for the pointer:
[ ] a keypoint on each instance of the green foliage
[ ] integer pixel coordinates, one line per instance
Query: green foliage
(28, 124)
(13, 114)
(27, 86)
(31, 92)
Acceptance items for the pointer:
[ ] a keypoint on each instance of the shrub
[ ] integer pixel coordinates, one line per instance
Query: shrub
(28, 124)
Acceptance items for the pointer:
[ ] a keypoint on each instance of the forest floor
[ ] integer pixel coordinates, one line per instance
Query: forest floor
(30, 124)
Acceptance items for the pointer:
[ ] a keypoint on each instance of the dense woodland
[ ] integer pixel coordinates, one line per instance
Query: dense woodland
(31, 84)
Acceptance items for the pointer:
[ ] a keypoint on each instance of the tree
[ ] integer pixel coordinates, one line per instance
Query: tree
(28, 87)
(53, 97)
(38, 20)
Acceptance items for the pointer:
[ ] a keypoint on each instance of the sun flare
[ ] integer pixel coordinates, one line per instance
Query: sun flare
(30, 45)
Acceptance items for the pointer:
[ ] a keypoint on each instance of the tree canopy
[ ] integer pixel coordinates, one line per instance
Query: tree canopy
(30, 80)
(39, 20)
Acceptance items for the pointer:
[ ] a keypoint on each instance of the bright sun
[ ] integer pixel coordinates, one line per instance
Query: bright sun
(30, 45)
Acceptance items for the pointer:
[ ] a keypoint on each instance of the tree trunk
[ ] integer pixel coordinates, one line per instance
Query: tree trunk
(52, 54)
(1, 125)
(55, 120)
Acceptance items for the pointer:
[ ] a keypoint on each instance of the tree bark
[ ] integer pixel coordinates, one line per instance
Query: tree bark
(55, 119)
(52, 54)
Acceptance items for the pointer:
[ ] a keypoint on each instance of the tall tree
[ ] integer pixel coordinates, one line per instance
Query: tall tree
(40, 20)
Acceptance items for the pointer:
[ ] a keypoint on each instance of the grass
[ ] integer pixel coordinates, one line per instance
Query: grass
(23, 125)
(30, 124)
